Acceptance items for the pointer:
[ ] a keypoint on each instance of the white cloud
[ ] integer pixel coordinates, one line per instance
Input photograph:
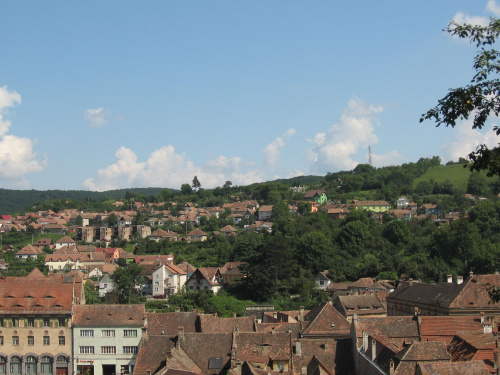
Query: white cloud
(493, 7)
(272, 151)
(97, 117)
(389, 158)
(462, 18)
(336, 149)
(7, 99)
(467, 140)
(16, 154)
(166, 168)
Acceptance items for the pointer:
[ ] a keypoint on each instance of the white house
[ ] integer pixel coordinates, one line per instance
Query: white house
(106, 338)
(168, 279)
(207, 278)
(106, 285)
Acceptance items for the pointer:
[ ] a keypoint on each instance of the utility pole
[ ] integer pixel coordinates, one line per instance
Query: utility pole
(370, 161)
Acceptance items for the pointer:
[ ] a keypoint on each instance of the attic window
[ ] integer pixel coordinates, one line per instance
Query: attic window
(48, 297)
(57, 305)
(18, 305)
(10, 296)
(29, 297)
(215, 363)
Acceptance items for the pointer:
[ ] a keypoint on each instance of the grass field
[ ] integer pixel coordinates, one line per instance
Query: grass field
(456, 174)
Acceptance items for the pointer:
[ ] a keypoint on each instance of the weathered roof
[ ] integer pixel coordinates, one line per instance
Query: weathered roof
(213, 324)
(325, 320)
(37, 293)
(109, 315)
(452, 368)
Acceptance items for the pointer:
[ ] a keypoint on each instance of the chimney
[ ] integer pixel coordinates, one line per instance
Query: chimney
(391, 367)
(365, 341)
(273, 330)
(234, 314)
(275, 314)
(355, 317)
(298, 347)
(410, 281)
(177, 309)
(374, 349)
(482, 317)
(180, 333)
(487, 327)
(449, 279)
(471, 274)
(325, 346)
(301, 314)
(415, 312)
(460, 280)
(303, 370)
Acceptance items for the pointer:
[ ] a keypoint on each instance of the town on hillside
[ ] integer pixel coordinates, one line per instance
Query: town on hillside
(366, 327)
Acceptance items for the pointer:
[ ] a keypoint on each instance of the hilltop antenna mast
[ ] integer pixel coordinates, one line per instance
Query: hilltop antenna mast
(370, 161)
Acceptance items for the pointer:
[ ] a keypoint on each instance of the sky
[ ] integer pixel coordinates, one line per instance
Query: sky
(100, 95)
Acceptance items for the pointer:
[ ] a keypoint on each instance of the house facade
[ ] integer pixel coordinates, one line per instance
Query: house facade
(206, 278)
(106, 338)
(36, 318)
(168, 279)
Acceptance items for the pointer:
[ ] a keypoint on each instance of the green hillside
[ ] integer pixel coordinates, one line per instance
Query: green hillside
(456, 174)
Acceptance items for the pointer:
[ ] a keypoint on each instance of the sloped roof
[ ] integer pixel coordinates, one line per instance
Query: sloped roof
(168, 323)
(452, 368)
(212, 324)
(361, 304)
(445, 327)
(398, 329)
(109, 315)
(37, 293)
(30, 250)
(324, 319)
(66, 239)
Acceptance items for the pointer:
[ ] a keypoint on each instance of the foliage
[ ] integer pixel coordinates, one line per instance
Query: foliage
(480, 98)
(126, 278)
(90, 293)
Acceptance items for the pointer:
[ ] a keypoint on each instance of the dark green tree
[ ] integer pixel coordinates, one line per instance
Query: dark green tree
(186, 189)
(125, 279)
(196, 183)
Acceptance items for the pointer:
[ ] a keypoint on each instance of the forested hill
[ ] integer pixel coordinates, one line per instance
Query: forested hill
(19, 200)
(426, 181)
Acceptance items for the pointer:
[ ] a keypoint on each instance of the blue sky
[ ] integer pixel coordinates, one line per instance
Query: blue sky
(120, 94)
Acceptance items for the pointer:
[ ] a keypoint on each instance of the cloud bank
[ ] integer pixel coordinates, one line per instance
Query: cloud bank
(17, 157)
(166, 167)
(336, 149)
(272, 150)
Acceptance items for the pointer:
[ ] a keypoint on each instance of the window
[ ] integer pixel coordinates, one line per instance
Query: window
(46, 340)
(31, 340)
(87, 333)
(15, 322)
(156, 289)
(61, 322)
(30, 365)
(3, 365)
(108, 349)
(15, 365)
(108, 333)
(46, 362)
(46, 322)
(15, 340)
(86, 350)
(31, 322)
(62, 340)
(129, 349)
(130, 333)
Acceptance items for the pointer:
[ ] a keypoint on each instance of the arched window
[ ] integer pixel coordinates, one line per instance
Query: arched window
(3, 365)
(46, 363)
(15, 365)
(30, 365)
